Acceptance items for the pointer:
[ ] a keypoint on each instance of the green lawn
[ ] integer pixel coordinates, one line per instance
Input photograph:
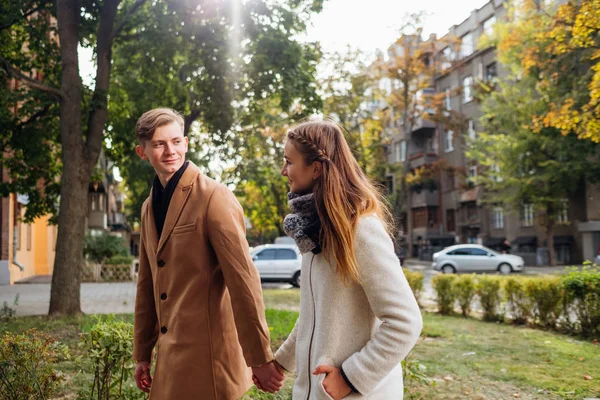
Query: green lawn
(464, 358)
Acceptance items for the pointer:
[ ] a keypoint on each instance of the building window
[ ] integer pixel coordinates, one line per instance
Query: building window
(450, 221)
(472, 173)
(420, 217)
(467, 45)
(562, 216)
(491, 72)
(449, 141)
(432, 217)
(498, 220)
(471, 213)
(563, 254)
(467, 89)
(400, 151)
(29, 239)
(448, 100)
(450, 180)
(403, 150)
(389, 184)
(472, 133)
(447, 57)
(528, 215)
(495, 173)
(488, 25)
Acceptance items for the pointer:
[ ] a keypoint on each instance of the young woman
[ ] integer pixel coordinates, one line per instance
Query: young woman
(358, 316)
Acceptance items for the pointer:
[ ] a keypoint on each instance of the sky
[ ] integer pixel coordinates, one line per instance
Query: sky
(373, 24)
(364, 24)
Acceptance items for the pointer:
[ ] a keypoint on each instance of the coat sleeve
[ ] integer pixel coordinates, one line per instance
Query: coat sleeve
(145, 319)
(286, 355)
(392, 302)
(227, 235)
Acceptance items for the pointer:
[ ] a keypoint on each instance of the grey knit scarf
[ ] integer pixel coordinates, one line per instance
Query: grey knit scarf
(303, 225)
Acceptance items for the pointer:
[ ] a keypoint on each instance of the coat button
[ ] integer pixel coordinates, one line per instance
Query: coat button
(161, 263)
(163, 296)
(163, 330)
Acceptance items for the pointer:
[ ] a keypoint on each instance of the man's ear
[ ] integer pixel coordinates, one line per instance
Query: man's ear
(140, 152)
(318, 168)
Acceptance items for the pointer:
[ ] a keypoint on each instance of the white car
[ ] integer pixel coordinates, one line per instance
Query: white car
(278, 263)
(475, 258)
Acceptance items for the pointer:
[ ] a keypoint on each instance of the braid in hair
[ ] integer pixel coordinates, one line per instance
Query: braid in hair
(316, 153)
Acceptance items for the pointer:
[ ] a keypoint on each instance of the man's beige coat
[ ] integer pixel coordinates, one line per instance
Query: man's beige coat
(199, 298)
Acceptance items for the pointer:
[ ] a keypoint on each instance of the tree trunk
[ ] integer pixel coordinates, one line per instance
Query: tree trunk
(65, 291)
(550, 241)
(79, 158)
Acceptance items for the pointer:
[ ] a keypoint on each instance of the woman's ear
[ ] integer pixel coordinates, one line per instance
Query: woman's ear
(317, 169)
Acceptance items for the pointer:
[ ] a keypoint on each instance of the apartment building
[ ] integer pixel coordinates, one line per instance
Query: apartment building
(450, 209)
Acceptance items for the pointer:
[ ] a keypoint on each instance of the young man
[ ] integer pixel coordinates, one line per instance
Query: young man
(199, 297)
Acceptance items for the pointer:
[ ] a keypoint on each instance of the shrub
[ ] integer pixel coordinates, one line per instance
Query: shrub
(415, 281)
(119, 260)
(7, 312)
(488, 290)
(109, 345)
(443, 284)
(582, 289)
(26, 365)
(98, 248)
(518, 303)
(465, 292)
(546, 295)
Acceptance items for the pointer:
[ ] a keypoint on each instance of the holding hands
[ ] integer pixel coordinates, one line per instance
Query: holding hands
(142, 376)
(268, 377)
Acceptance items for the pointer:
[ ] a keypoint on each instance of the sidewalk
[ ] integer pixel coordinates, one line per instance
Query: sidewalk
(96, 298)
(419, 265)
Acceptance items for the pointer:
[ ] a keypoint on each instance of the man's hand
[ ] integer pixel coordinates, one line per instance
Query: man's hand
(268, 377)
(334, 384)
(142, 376)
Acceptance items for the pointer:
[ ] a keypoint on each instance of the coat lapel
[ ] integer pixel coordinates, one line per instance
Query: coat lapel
(178, 201)
(151, 228)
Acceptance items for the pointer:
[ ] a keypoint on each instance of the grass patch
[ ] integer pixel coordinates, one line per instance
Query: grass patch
(491, 361)
(465, 358)
(282, 299)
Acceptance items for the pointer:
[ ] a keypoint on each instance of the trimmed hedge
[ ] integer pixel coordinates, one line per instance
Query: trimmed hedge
(569, 303)
(416, 281)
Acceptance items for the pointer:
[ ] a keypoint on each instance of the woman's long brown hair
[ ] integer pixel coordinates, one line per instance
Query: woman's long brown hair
(342, 192)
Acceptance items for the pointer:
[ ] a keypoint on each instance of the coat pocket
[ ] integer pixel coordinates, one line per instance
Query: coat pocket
(324, 361)
(184, 228)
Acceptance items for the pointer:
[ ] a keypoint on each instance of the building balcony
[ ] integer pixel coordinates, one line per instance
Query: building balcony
(421, 157)
(423, 124)
(97, 220)
(425, 198)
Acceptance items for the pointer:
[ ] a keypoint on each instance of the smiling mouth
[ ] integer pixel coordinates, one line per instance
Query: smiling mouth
(170, 161)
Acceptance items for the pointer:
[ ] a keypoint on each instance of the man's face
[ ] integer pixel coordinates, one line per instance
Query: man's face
(165, 151)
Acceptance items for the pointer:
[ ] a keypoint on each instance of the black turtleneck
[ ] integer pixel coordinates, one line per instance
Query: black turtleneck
(161, 197)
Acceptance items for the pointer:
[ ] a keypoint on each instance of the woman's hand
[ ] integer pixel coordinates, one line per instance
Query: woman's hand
(334, 384)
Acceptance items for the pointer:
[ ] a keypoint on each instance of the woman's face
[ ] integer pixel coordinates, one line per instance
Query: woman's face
(301, 177)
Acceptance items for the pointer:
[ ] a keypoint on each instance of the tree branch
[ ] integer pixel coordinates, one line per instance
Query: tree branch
(27, 14)
(126, 17)
(15, 73)
(34, 117)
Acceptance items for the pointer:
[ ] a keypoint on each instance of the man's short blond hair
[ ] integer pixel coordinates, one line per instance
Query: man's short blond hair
(151, 120)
